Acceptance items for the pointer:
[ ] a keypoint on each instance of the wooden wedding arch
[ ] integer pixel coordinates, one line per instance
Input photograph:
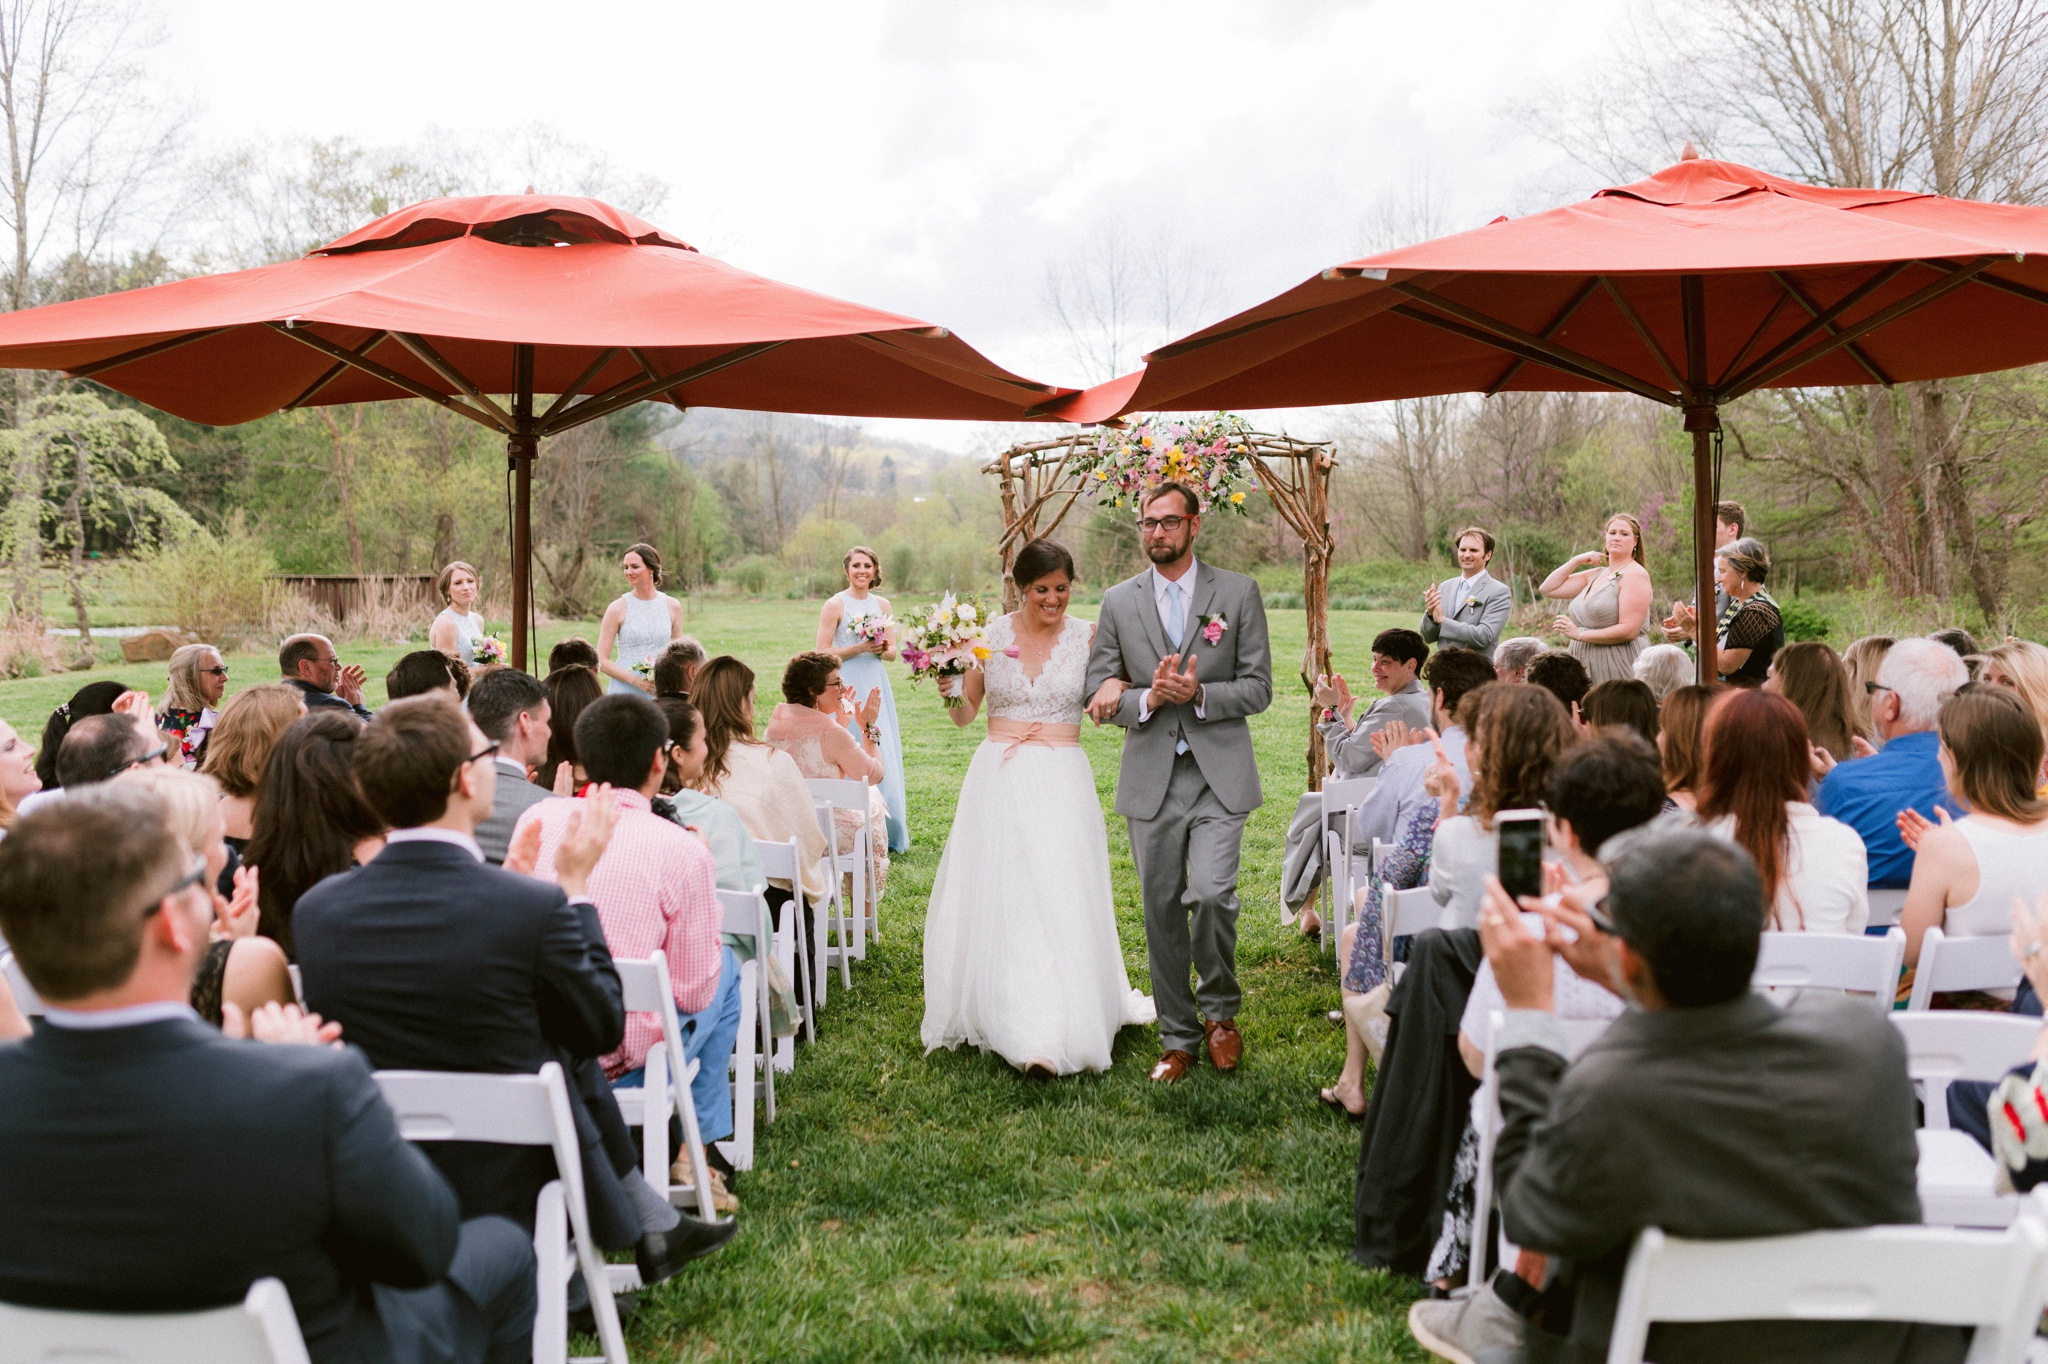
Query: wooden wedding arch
(1040, 483)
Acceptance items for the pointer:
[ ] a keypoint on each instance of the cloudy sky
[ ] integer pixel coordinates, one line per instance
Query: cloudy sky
(938, 157)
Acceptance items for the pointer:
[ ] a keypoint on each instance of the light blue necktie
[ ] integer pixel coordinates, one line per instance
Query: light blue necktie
(1176, 628)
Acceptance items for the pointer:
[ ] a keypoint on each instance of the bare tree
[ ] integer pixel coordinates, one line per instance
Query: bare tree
(1120, 290)
(1402, 462)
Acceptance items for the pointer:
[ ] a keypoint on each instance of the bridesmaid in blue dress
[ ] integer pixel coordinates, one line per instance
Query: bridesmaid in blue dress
(641, 623)
(861, 669)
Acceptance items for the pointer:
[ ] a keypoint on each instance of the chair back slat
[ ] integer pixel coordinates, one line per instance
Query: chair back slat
(840, 793)
(1964, 1044)
(1973, 963)
(1833, 961)
(437, 1105)
(778, 860)
(741, 911)
(261, 1329)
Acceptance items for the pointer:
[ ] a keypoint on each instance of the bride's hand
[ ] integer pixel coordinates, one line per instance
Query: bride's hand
(949, 686)
(1107, 698)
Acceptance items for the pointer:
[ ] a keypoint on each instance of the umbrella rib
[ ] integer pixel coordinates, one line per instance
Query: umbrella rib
(1800, 296)
(1763, 327)
(2017, 290)
(1532, 347)
(431, 358)
(626, 394)
(1179, 348)
(1029, 385)
(1563, 316)
(1628, 311)
(1819, 321)
(142, 353)
(333, 372)
(652, 371)
(390, 376)
(1763, 373)
(568, 395)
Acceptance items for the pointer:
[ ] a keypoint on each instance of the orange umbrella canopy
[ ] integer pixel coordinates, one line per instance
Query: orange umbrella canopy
(440, 300)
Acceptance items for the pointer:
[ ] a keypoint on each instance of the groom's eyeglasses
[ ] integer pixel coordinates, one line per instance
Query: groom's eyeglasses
(1153, 524)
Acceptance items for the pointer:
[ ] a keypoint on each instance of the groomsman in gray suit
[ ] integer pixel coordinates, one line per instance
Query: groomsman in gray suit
(1180, 661)
(1468, 611)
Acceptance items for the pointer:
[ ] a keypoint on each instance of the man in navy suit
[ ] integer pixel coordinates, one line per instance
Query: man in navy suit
(434, 960)
(154, 1165)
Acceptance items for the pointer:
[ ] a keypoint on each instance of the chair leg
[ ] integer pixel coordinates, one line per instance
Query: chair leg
(743, 1091)
(552, 1269)
(693, 1142)
(800, 914)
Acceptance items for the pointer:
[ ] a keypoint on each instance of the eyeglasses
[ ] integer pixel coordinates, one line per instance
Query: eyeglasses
(1150, 524)
(1873, 688)
(488, 750)
(153, 755)
(214, 672)
(186, 882)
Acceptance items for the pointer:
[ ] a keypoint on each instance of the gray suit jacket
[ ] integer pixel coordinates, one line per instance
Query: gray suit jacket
(514, 794)
(1350, 749)
(1236, 673)
(1479, 619)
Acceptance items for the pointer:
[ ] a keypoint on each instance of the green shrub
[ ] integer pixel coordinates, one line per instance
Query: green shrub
(752, 574)
(215, 586)
(1803, 622)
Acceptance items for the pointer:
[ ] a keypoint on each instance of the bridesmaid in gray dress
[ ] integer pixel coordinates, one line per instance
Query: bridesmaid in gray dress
(641, 623)
(1609, 591)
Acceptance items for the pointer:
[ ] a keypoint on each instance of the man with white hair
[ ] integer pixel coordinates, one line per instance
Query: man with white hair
(1512, 657)
(1868, 793)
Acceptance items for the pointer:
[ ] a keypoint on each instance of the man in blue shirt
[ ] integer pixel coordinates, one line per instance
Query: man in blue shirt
(1868, 793)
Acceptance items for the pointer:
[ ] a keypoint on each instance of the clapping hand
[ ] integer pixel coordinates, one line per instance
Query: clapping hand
(1396, 735)
(565, 779)
(348, 684)
(871, 708)
(522, 854)
(238, 917)
(1913, 825)
(1172, 682)
(1441, 780)
(2029, 936)
(1433, 602)
(1679, 624)
(280, 1024)
(1102, 707)
(135, 703)
(1332, 692)
(1820, 760)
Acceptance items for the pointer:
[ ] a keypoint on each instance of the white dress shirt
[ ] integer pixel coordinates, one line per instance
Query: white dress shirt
(1163, 589)
(428, 834)
(133, 1016)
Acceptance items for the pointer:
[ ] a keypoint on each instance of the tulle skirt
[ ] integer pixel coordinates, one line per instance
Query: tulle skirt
(1021, 954)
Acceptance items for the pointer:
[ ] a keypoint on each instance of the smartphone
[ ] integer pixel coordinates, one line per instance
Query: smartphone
(1522, 835)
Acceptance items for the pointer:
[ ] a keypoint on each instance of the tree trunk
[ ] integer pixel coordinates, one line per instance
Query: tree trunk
(25, 530)
(444, 540)
(74, 513)
(342, 467)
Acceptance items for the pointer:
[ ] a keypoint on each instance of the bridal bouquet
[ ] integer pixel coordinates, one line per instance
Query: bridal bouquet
(489, 649)
(947, 642)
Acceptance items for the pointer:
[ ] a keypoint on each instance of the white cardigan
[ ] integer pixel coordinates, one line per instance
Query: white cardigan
(1825, 886)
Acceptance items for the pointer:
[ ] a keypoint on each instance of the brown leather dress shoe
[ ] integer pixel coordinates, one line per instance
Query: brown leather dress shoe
(1225, 1045)
(1173, 1065)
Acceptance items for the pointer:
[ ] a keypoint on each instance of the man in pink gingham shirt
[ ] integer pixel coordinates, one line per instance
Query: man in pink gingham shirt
(655, 890)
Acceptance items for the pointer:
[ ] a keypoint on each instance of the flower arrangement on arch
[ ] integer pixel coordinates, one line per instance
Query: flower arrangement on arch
(947, 642)
(1211, 454)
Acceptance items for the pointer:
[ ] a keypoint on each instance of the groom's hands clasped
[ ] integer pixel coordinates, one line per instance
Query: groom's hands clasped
(1172, 684)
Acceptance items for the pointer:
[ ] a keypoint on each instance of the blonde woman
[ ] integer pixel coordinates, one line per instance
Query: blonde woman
(199, 678)
(1609, 592)
(1863, 659)
(2022, 666)
(457, 629)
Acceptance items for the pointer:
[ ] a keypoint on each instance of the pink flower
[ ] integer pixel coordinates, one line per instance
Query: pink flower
(1012, 652)
(1213, 631)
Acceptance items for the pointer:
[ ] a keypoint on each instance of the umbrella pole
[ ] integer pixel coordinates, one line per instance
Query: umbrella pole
(520, 449)
(1702, 427)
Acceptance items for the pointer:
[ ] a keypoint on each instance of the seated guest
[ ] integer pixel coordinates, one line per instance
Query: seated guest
(2011, 1118)
(239, 748)
(1452, 675)
(1706, 1110)
(512, 710)
(1663, 668)
(421, 673)
(1867, 794)
(1810, 675)
(1958, 641)
(18, 779)
(240, 966)
(1968, 872)
(135, 1135)
(810, 726)
(1397, 656)
(1563, 677)
(711, 819)
(675, 667)
(199, 677)
(569, 691)
(760, 783)
(1518, 734)
(1629, 705)
(1681, 744)
(434, 960)
(309, 664)
(311, 819)
(1512, 657)
(1754, 631)
(1861, 660)
(1753, 794)
(2022, 667)
(573, 652)
(1468, 611)
(94, 698)
(103, 746)
(655, 888)
(1600, 789)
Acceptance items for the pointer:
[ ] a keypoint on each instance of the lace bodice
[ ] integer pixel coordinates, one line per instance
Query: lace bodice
(1055, 696)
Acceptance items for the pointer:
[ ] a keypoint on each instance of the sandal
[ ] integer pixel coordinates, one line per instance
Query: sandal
(1330, 1099)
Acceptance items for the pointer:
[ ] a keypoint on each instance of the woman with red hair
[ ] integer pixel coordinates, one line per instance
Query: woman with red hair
(1753, 793)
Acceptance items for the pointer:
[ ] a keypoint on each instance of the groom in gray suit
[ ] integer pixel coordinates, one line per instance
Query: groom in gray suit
(1196, 636)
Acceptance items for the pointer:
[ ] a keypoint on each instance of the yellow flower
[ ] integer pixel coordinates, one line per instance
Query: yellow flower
(982, 653)
(1237, 497)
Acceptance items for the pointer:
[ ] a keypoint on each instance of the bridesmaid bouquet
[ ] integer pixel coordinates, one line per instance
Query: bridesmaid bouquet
(947, 642)
(869, 629)
(490, 649)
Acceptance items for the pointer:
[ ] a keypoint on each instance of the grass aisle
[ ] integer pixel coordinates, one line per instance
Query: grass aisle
(943, 1208)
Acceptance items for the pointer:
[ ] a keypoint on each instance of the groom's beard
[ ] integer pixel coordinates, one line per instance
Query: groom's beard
(1160, 553)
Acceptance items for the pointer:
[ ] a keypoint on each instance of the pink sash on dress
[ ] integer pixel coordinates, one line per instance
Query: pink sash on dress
(1013, 733)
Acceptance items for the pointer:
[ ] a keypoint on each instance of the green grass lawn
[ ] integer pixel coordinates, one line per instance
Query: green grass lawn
(940, 1208)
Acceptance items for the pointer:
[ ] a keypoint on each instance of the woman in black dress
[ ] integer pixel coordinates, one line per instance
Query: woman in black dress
(1755, 631)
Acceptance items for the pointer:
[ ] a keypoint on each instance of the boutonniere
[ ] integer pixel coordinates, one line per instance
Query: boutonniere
(1214, 626)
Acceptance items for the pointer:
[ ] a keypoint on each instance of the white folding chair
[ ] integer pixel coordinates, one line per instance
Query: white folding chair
(665, 1084)
(853, 795)
(1956, 1175)
(781, 862)
(1886, 905)
(1487, 1121)
(1974, 963)
(753, 1073)
(525, 1110)
(1403, 914)
(261, 1329)
(1831, 961)
(298, 985)
(838, 916)
(25, 997)
(1341, 796)
(1993, 1281)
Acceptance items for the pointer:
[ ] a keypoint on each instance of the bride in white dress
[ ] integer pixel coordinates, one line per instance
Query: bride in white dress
(1021, 955)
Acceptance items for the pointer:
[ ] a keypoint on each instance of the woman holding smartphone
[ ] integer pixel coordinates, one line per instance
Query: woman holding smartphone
(1518, 734)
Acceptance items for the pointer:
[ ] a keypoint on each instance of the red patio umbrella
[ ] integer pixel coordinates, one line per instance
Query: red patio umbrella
(456, 300)
(1707, 281)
